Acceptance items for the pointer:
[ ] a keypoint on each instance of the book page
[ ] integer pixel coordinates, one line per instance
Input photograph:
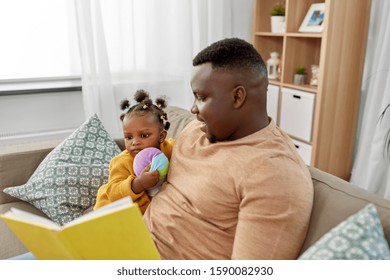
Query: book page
(109, 208)
(22, 215)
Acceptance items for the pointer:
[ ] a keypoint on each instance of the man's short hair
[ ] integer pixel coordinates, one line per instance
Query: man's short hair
(232, 54)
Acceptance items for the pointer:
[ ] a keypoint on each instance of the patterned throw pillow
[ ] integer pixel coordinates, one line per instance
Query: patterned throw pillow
(67, 180)
(360, 237)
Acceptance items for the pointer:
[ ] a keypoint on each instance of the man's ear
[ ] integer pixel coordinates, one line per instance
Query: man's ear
(163, 135)
(239, 95)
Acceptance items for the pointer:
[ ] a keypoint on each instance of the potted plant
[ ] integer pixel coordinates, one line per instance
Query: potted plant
(300, 75)
(277, 18)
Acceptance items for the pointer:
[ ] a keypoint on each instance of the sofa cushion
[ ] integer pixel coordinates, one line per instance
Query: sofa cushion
(66, 181)
(360, 237)
(335, 200)
(178, 118)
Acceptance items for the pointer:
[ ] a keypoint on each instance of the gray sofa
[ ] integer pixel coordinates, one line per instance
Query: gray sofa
(334, 199)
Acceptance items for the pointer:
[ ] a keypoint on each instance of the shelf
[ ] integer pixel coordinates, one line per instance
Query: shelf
(290, 34)
(304, 35)
(270, 34)
(267, 44)
(338, 51)
(305, 87)
(274, 82)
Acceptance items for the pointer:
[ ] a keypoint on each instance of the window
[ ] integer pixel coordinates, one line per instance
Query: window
(38, 39)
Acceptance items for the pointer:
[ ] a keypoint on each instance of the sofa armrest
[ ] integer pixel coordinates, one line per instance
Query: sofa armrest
(335, 200)
(18, 163)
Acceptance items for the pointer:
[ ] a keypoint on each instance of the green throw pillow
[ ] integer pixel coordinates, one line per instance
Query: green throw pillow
(66, 181)
(360, 237)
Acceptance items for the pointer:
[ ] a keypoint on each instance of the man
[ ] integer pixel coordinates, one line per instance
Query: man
(236, 188)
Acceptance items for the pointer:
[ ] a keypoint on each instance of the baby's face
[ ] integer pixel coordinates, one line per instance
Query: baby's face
(140, 132)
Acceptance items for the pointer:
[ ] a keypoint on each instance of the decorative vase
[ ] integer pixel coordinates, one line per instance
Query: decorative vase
(299, 79)
(277, 23)
(273, 64)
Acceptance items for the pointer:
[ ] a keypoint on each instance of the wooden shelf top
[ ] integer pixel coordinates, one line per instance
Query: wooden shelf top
(290, 34)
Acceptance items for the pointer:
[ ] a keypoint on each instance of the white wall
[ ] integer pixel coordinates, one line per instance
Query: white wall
(50, 114)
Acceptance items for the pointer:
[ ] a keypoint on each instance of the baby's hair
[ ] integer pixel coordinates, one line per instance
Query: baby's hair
(145, 105)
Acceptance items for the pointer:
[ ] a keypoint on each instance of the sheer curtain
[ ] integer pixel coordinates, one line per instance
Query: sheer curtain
(371, 168)
(98, 94)
(130, 44)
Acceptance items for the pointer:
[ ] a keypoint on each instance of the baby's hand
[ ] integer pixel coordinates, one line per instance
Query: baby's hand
(149, 179)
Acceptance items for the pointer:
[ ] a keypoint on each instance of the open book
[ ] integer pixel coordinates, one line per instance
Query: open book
(115, 231)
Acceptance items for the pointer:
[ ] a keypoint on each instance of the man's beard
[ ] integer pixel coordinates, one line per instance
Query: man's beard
(212, 139)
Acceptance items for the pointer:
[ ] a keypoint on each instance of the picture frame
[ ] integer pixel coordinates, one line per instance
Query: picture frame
(314, 19)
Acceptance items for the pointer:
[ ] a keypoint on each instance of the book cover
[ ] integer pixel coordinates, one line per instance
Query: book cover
(113, 232)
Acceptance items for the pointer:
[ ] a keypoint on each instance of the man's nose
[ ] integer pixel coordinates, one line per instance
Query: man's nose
(194, 109)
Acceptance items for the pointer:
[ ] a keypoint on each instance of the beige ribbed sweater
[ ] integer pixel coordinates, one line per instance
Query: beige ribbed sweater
(245, 199)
